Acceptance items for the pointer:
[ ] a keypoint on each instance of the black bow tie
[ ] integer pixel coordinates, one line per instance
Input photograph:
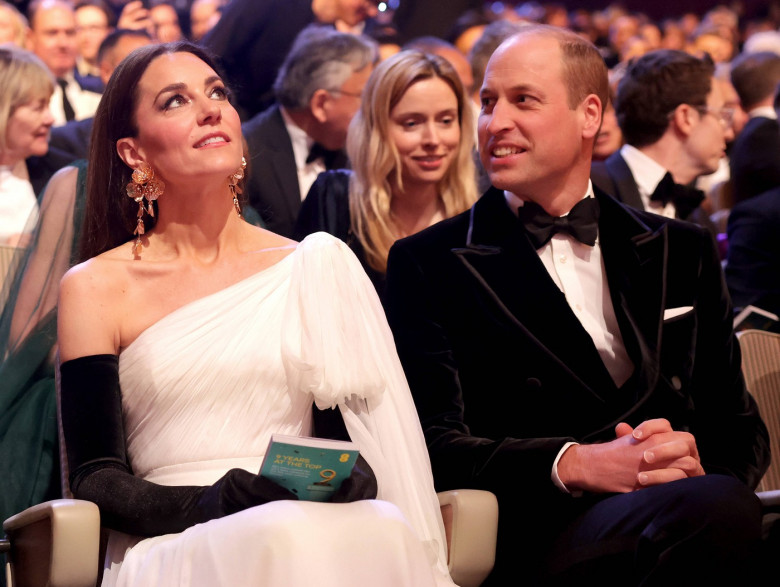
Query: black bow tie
(582, 222)
(684, 197)
(317, 151)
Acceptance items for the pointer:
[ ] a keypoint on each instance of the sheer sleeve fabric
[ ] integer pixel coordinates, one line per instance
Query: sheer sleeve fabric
(337, 346)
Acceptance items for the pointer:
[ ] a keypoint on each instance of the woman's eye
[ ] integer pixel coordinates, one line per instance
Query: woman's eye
(174, 102)
(220, 93)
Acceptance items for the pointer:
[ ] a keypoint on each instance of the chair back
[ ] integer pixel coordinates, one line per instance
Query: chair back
(761, 367)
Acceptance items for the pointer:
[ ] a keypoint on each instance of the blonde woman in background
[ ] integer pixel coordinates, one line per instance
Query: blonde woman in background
(13, 25)
(410, 147)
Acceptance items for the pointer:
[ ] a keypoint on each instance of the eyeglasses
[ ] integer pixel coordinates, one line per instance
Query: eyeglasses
(724, 115)
(353, 94)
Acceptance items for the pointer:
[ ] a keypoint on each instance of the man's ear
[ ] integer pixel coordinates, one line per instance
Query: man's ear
(319, 105)
(592, 111)
(683, 119)
(128, 152)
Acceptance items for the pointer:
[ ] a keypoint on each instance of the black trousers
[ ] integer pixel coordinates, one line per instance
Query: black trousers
(703, 530)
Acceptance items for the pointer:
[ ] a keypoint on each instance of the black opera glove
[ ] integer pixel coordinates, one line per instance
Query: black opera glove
(361, 484)
(91, 407)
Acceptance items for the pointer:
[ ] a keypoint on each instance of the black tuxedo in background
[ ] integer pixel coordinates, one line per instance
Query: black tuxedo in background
(73, 137)
(503, 374)
(42, 168)
(755, 158)
(753, 262)
(272, 183)
(251, 40)
(613, 176)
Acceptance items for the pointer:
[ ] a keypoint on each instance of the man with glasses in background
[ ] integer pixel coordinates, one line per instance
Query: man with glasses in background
(673, 117)
(318, 92)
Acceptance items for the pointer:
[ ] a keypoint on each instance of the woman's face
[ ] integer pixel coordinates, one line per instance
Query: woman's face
(187, 128)
(27, 131)
(425, 129)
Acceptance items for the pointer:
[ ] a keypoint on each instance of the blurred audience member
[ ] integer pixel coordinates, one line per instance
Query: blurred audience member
(93, 22)
(53, 39)
(675, 126)
(73, 137)
(714, 41)
(410, 146)
(763, 41)
(318, 92)
(24, 131)
(610, 138)
(253, 37)
(468, 29)
(204, 14)
(13, 25)
(753, 258)
(755, 156)
(451, 53)
(494, 34)
(165, 22)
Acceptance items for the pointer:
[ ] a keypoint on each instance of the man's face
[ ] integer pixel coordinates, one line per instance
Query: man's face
(529, 137)
(53, 38)
(706, 143)
(341, 107)
(91, 29)
(352, 12)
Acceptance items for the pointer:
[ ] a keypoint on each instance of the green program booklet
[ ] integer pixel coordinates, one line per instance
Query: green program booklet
(312, 468)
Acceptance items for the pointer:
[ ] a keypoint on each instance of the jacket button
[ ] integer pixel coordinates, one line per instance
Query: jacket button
(676, 383)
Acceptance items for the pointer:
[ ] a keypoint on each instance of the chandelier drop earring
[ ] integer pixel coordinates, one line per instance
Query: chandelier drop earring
(143, 186)
(235, 189)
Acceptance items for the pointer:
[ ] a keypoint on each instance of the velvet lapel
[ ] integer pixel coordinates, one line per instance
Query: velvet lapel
(502, 259)
(625, 184)
(635, 262)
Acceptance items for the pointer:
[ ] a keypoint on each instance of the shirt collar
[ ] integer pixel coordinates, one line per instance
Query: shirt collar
(647, 172)
(301, 142)
(514, 202)
(764, 112)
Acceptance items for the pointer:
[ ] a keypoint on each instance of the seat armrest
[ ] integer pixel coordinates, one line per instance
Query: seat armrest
(471, 523)
(54, 543)
(770, 500)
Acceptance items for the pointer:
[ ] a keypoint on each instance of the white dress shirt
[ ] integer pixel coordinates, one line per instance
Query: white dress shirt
(647, 175)
(763, 111)
(301, 144)
(84, 102)
(578, 271)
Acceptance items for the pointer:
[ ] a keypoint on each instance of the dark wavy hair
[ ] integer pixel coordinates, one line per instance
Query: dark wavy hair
(653, 86)
(110, 215)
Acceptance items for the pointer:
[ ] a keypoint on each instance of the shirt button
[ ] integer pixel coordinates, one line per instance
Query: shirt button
(563, 259)
(578, 307)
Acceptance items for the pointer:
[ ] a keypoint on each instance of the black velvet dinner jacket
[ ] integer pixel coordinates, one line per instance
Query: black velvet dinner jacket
(503, 374)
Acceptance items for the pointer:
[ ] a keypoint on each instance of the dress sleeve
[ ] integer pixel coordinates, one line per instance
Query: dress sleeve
(337, 346)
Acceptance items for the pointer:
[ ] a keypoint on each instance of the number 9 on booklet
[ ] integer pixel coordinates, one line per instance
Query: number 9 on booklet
(312, 468)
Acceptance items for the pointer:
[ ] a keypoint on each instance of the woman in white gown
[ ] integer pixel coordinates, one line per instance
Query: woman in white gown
(186, 346)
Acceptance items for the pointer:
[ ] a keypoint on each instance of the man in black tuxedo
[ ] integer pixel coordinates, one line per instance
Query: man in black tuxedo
(755, 155)
(318, 92)
(672, 114)
(593, 386)
(252, 38)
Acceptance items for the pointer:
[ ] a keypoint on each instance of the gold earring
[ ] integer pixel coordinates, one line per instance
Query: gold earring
(144, 185)
(235, 189)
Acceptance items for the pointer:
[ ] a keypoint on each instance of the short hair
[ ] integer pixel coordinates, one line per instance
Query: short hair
(112, 39)
(375, 160)
(37, 5)
(100, 5)
(23, 77)
(110, 216)
(19, 24)
(653, 86)
(492, 36)
(755, 76)
(583, 68)
(321, 58)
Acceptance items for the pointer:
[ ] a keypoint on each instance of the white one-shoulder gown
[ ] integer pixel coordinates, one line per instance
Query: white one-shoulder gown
(204, 388)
